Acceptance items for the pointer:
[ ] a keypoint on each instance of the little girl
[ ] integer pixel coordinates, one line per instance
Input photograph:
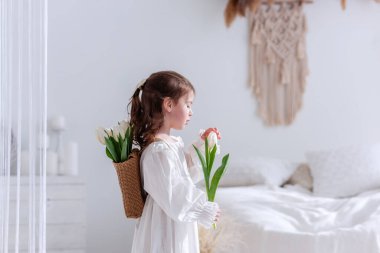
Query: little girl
(174, 204)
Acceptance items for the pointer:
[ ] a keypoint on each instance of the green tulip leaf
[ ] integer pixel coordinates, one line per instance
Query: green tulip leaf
(212, 156)
(207, 154)
(109, 154)
(204, 166)
(111, 148)
(216, 178)
(124, 154)
(120, 142)
(200, 156)
(117, 148)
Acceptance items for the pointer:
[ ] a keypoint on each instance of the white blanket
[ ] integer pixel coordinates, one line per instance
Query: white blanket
(290, 220)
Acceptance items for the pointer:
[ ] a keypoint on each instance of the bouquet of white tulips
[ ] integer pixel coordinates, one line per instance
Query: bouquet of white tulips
(211, 148)
(118, 141)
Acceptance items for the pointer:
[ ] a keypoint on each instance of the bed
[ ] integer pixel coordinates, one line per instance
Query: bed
(267, 212)
(290, 219)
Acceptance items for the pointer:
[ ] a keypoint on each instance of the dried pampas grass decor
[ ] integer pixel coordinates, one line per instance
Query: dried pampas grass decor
(226, 238)
(343, 3)
(240, 7)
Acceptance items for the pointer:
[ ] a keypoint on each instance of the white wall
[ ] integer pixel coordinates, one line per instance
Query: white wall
(99, 50)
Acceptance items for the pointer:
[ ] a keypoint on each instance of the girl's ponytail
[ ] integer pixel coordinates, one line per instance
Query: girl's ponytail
(137, 115)
(136, 107)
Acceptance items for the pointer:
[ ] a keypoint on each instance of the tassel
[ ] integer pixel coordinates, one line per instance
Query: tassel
(301, 48)
(285, 73)
(305, 26)
(306, 70)
(270, 57)
(257, 90)
(255, 35)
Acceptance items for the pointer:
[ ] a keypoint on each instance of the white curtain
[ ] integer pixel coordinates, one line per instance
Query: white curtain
(23, 90)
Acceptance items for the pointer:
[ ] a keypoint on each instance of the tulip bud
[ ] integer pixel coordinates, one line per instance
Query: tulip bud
(123, 126)
(100, 135)
(108, 131)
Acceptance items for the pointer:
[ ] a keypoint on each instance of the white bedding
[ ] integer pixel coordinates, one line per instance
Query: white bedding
(291, 220)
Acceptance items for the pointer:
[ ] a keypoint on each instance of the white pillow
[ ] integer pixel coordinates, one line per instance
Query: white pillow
(258, 170)
(345, 171)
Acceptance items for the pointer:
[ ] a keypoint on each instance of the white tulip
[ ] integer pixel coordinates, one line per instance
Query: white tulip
(212, 139)
(108, 131)
(118, 130)
(100, 134)
(123, 125)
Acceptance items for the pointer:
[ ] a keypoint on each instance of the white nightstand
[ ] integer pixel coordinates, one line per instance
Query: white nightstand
(65, 214)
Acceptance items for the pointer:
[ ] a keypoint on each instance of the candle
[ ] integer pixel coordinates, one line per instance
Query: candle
(71, 158)
(51, 163)
(58, 123)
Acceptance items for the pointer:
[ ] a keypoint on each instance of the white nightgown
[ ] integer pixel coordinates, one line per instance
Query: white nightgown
(174, 204)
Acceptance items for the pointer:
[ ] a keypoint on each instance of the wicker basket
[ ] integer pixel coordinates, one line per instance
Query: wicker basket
(128, 173)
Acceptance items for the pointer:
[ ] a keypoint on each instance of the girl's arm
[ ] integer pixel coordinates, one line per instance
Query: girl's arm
(193, 163)
(177, 195)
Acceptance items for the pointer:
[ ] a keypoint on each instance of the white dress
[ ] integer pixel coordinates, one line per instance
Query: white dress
(174, 204)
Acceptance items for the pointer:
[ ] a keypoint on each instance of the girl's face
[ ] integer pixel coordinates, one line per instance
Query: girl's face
(181, 112)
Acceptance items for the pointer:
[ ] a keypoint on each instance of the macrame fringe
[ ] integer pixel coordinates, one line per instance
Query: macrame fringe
(256, 37)
(285, 75)
(270, 56)
(301, 48)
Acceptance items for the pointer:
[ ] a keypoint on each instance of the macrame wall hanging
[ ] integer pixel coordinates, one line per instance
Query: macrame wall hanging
(278, 61)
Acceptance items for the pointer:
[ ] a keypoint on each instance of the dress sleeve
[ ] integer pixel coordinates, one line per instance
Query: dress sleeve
(193, 163)
(175, 193)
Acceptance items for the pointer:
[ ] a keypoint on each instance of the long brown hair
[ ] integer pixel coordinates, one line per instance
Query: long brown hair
(146, 114)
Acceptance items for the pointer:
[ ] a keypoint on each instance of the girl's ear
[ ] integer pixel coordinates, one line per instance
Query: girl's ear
(167, 104)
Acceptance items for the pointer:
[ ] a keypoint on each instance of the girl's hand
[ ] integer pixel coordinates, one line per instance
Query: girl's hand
(218, 213)
(209, 130)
